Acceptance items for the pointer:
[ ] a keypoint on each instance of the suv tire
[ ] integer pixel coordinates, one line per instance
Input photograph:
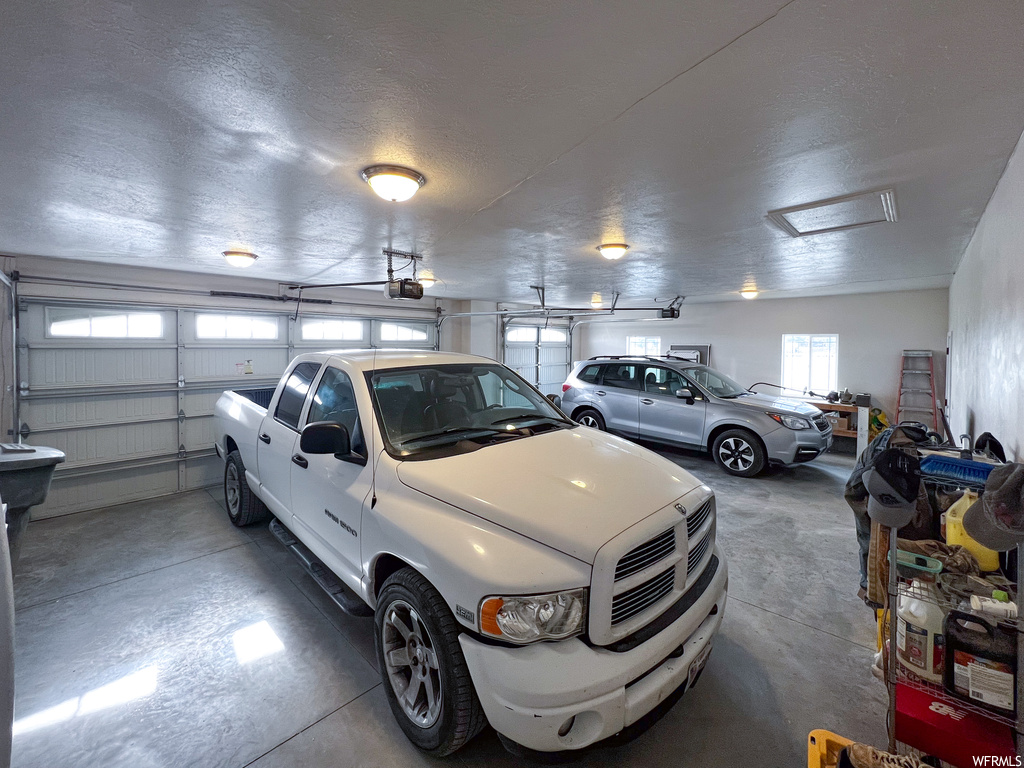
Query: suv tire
(243, 506)
(739, 452)
(417, 641)
(588, 417)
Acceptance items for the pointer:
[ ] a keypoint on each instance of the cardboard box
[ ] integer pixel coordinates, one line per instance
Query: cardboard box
(843, 422)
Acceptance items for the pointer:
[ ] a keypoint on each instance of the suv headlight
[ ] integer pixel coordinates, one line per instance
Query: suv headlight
(792, 422)
(528, 618)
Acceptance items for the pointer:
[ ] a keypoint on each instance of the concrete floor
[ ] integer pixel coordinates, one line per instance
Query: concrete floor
(131, 624)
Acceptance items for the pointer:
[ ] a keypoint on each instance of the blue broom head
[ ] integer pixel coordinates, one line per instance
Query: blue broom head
(957, 470)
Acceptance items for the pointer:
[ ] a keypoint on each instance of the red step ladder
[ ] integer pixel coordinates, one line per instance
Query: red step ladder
(916, 394)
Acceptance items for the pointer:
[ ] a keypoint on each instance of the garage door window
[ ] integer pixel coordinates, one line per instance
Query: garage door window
(333, 330)
(236, 327)
(810, 362)
(397, 332)
(100, 324)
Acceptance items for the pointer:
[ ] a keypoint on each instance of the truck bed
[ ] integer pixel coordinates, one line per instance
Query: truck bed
(261, 396)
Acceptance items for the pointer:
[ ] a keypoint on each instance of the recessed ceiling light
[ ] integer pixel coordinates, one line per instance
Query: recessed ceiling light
(393, 182)
(749, 294)
(240, 259)
(613, 251)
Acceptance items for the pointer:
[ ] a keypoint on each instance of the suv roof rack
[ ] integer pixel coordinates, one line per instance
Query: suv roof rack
(663, 358)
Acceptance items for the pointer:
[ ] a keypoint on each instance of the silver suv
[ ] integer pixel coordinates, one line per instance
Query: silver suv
(681, 403)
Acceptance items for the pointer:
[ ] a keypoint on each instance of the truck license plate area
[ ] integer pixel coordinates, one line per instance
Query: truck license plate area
(697, 665)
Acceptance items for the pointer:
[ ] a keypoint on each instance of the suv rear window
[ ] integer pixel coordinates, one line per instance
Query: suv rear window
(589, 374)
(622, 375)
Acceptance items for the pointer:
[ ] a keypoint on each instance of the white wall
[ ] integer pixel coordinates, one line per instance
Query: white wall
(986, 319)
(746, 336)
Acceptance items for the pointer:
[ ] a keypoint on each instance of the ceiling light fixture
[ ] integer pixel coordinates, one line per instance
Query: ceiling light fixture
(595, 301)
(750, 293)
(613, 251)
(393, 182)
(426, 282)
(240, 259)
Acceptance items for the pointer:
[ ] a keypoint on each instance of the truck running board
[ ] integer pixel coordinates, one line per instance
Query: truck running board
(344, 597)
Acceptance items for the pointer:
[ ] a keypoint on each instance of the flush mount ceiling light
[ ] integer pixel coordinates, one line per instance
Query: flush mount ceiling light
(749, 293)
(240, 259)
(837, 213)
(426, 282)
(613, 251)
(393, 182)
(596, 301)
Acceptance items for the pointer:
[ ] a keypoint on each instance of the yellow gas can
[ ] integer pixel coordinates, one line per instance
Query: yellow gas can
(988, 559)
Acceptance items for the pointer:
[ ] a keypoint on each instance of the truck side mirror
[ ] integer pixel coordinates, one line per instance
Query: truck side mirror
(323, 437)
(555, 400)
(685, 394)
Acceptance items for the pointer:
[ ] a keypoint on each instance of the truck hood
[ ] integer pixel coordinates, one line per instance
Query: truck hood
(787, 405)
(570, 489)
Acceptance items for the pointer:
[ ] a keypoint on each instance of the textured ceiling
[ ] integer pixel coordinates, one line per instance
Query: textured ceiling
(161, 133)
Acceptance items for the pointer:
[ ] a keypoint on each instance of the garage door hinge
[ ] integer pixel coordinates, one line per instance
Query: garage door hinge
(181, 452)
(181, 417)
(181, 381)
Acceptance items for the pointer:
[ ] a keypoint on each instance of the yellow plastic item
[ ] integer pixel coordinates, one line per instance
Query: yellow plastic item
(955, 534)
(823, 749)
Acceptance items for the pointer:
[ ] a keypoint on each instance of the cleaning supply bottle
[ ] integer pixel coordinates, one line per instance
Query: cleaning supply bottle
(919, 641)
(981, 661)
(988, 559)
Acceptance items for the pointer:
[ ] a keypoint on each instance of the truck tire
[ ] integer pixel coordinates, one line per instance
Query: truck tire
(243, 506)
(588, 417)
(739, 452)
(425, 675)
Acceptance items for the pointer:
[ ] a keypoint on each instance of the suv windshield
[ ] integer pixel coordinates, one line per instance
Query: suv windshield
(427, 408)
(718, 384)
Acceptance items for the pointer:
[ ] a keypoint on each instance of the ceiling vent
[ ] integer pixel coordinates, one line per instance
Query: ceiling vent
(837, 213)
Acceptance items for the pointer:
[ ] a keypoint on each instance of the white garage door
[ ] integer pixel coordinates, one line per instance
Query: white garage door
(540, 355)
(128, 392)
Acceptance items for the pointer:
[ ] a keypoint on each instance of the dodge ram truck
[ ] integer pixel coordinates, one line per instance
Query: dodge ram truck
(557, 582)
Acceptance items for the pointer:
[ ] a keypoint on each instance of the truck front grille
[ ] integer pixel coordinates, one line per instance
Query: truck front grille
(697, 552)
(696, 520)
(646, 554)
(638, 599)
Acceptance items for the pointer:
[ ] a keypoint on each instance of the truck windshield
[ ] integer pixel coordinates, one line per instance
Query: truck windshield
(430, 407)
(718, 384)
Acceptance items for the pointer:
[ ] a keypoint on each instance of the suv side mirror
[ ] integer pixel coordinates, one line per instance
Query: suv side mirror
(685, 394)
(555, 400)
(324, 437)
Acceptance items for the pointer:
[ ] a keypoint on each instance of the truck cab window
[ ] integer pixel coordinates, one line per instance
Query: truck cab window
(289, 406)
(335, 400)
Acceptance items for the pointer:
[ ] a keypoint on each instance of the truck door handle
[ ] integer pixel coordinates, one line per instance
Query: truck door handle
(601, 392)
(265, 438)
(647, 401)
(300, 460)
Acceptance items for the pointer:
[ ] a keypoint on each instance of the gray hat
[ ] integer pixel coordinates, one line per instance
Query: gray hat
(996, 520)
(893, 483)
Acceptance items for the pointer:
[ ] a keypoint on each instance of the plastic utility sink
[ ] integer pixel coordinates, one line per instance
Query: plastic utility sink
(25, 475)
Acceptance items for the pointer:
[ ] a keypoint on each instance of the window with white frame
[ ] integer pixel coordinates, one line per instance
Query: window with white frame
(523, 334)
(103, 324)
(810, 361)
(216, 326)
(643, 346)
(401, 332)
(321, 329)
(552, 335)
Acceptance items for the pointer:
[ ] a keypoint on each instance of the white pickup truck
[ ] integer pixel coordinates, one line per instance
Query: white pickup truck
(557, 582)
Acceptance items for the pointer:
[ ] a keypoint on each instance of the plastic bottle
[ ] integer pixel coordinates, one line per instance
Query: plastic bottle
(956, 535)
(919, 643)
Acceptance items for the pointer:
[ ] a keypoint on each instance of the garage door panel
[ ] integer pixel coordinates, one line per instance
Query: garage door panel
(114, 442)
(199, 433)
(72, 494)
(203, 472)
(81, 367)
(221, 362)
(97, 409)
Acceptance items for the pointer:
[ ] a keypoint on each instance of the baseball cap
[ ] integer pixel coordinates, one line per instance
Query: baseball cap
(996, 520)
(892, 483)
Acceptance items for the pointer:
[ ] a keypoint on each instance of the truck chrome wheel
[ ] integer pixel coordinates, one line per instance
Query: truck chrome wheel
(232, 489)
(411, 664)
(736, 454)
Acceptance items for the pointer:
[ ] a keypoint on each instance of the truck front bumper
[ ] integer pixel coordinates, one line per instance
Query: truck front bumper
(552, 697)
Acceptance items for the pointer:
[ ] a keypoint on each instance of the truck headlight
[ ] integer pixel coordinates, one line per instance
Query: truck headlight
(528, 618)
(792, 422)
